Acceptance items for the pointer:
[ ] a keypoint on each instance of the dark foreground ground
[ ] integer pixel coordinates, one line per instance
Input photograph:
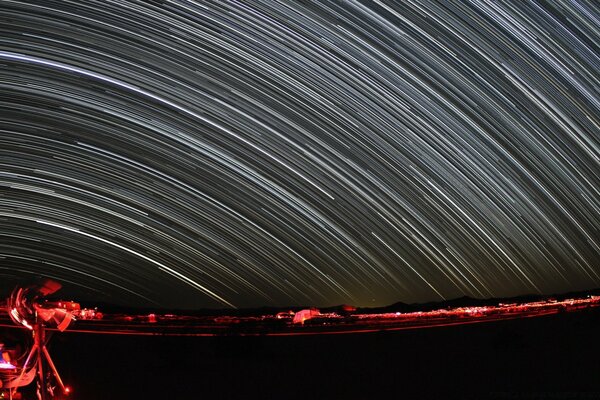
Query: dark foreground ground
(550, 357)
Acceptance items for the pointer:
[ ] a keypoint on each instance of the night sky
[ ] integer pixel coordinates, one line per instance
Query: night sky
(240, 154)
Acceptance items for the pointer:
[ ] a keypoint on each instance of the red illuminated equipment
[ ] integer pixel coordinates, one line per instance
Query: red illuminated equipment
(25, 309)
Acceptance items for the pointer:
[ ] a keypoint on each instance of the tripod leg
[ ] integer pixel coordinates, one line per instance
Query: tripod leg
(41, 379)
(40, 339)
(33, 351)
(54, 370)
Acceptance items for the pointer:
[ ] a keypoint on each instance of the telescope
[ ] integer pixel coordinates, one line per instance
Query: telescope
(28, 308)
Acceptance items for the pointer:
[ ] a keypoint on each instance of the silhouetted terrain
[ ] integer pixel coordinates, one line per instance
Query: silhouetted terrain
(464, 301)
(532, 358)
(547, 357)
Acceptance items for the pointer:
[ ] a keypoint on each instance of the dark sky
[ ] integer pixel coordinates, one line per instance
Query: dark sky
(217, 154)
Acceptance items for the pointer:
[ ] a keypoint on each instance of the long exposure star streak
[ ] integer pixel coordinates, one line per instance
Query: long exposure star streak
(206, 154)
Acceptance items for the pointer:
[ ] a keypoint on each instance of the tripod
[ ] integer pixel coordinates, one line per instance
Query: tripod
(39, 357)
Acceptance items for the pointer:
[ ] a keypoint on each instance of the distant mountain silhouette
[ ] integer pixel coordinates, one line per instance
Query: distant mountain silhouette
(467, 301)
(402, 307)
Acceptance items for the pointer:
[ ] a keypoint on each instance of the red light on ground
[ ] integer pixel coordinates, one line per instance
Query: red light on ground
(67, 390)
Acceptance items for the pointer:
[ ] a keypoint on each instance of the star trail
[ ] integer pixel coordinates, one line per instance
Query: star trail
(240, 154)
